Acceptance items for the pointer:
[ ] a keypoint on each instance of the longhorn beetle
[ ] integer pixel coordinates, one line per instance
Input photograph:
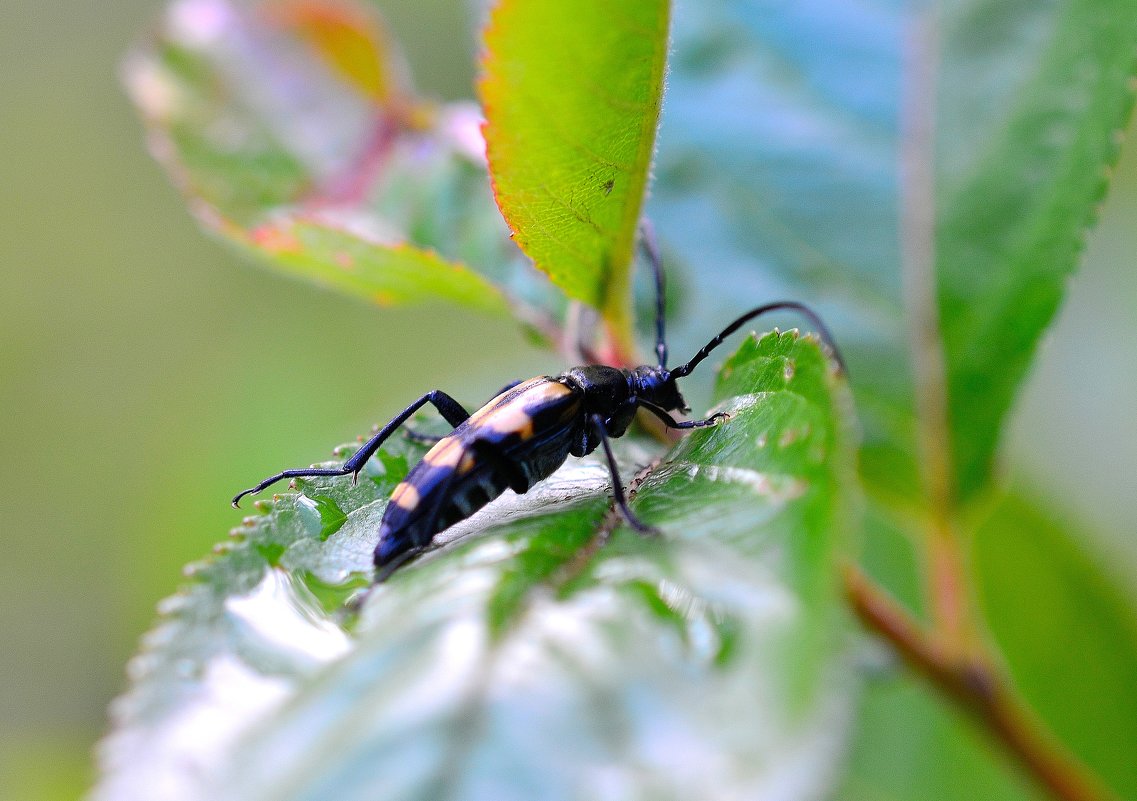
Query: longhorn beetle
(525, 432)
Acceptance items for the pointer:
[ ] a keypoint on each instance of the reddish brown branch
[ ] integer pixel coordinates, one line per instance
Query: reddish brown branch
(975, 684)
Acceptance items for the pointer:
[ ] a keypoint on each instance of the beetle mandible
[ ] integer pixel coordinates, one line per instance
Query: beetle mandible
(527, 431)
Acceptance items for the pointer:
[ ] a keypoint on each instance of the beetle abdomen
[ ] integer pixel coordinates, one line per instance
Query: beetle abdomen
(517, 439)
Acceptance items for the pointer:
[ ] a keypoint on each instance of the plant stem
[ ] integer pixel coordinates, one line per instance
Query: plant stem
(974, 683)
(946, 575)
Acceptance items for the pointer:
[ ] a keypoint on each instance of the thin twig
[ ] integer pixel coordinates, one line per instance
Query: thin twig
(946, 577)
(975, 684)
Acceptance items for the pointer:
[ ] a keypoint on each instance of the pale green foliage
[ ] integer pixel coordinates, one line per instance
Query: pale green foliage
(540, 652)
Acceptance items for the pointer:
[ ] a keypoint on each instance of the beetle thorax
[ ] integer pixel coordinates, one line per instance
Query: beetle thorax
(605, 388)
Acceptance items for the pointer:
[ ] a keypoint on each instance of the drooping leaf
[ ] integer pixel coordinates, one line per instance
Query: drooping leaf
(275, 116)
(572, 92)
(546, 651)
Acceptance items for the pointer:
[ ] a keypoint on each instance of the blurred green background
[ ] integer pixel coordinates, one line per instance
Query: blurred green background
(146, 373)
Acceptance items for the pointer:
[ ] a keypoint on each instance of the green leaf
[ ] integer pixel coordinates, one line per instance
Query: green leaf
(572, 93)
(293, 133)
(1067, 631)
(1018, 190)
(384, 274)
(911, 743)
(778, 166)
(1069, 637)
(332, 517)
(545, 651)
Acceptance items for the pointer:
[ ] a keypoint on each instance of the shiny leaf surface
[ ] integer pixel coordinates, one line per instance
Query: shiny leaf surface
(546, 649)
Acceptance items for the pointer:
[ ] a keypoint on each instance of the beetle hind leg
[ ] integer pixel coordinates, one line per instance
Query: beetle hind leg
(421, 438)
(458, 419)
(450, 409)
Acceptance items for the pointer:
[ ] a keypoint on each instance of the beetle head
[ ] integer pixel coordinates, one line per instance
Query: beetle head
(655, 384)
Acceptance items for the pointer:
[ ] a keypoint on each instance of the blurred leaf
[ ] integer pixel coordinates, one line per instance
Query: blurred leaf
(776, 178)
(572, 93)
(912, 744)
(777, 165)
(1070, 642)
(1068, 633)
(545, 651)
(1019, 189)
(385, 275)
(267, 113)
(352, 41)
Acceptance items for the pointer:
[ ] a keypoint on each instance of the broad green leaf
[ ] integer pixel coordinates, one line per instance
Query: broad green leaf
(910, 743)
(572, 92)
(384, 274)
(1019, 189)
(776, 178)
(544, 651)
(270, 113)
(778, 162)
(778, 166)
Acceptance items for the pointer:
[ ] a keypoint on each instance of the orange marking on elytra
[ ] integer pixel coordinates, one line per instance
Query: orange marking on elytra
(496, 403)
(405, 496)
(446, 453)
(512, 416)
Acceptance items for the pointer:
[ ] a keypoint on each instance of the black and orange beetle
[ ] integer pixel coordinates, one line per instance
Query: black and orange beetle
(525, 433)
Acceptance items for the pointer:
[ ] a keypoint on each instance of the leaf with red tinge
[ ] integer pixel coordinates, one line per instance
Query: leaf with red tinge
(274, 117)
(384, 274)
(572, 93)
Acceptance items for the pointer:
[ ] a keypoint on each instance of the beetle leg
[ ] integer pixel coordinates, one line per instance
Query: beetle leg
(671, 422)
(617, 485)
(425, 439)
(449, 408)
(434, 439)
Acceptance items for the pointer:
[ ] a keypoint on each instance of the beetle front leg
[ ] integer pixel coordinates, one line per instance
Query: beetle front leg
(671, 422)
(450, 409)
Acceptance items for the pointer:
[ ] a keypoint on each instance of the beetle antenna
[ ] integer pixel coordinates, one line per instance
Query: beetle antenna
(793, 305)
(651, 250)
